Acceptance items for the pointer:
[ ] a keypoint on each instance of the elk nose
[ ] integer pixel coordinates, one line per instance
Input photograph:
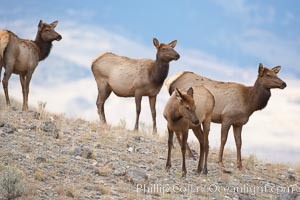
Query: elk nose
(283, 85)
(177, 56)
(59, 38)
(196, 122)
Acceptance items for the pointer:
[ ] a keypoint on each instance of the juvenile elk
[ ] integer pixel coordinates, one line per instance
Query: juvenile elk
(20, 56)
(186, 111)
(235, 102)
(128, 77)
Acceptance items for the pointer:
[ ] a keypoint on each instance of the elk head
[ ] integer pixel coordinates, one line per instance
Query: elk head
(187, 105)
(268, 77)
(166, 52)
(47, 32)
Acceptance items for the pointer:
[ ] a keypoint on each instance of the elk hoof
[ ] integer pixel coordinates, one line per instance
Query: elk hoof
(221, 164)
(205, 171)
(240, 167)
(154, 132)
(199, 171)
(168, 167)
(183, 174)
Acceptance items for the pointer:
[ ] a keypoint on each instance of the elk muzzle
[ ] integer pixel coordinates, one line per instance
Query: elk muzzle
(196, 122)
(283, 85)
(58, 38)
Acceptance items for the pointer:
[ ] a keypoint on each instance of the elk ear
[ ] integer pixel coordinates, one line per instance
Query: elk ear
(179, 96)
(190, 92)
(261, 69)
(156, 42)
(276, 69)
(54, 24)
(40, 24)
(173, 43)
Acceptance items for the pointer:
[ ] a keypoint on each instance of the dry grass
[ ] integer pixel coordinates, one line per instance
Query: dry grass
(250, 161)
(39, 175)
(105, 170)
(72, 192)
(104, 189)
(297, 169)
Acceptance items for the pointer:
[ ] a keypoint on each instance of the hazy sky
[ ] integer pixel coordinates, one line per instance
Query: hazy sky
(223, 40)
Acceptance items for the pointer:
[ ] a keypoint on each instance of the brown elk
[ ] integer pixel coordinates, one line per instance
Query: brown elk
(20, 56)
(128, 77)
(189, 111)
(234, 102)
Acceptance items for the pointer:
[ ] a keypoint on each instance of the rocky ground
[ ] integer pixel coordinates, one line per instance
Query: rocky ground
(61, 158)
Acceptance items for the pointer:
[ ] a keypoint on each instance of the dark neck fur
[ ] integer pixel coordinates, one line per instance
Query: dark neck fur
(159, 71)
(259, 96)
(175, 116)
(44, 47)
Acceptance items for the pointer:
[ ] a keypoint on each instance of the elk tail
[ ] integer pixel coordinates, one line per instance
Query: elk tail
(4, 40)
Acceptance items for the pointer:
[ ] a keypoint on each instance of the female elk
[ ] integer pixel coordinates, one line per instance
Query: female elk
(188, 111)
(235, 102)
(128, 77)
(21, 56)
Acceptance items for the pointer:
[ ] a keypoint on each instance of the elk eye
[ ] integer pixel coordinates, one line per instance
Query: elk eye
(188, 108)
(269, 75)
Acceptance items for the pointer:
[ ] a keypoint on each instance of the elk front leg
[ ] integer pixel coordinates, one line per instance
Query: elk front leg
(237, 131)
(206, 129)
(23, 84)
(183, 150)
(27, 82)
(170, 145)
(224, 134)
(138, 100)
(199, 135)
(189, 151)
(152, 101)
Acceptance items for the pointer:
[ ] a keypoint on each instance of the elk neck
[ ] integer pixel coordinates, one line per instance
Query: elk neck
(175, 115)
(159, 71)
(43, 46)
(258, 96)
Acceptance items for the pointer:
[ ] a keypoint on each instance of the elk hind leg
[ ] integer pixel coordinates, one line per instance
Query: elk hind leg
(103, 93)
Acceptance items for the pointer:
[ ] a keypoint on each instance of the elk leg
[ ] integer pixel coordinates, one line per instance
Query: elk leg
(103, 93)
(6, 77)
(183, 150)
(138, 100)
(1, 65)
(152, 101)
(170, 145)
(22, 80)
(237, 130)
(224, 134)
(27, 82)
(206, 129)
(199, 135)
(189, 151)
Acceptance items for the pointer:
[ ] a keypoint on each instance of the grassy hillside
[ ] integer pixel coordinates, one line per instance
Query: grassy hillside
(48, 156)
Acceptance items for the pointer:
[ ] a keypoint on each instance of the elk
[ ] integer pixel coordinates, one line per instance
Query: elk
(185, 111)
(234, 102)
(21, 56)
(136, 78)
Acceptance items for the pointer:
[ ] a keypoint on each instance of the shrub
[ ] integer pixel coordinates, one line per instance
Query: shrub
(11, 183)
